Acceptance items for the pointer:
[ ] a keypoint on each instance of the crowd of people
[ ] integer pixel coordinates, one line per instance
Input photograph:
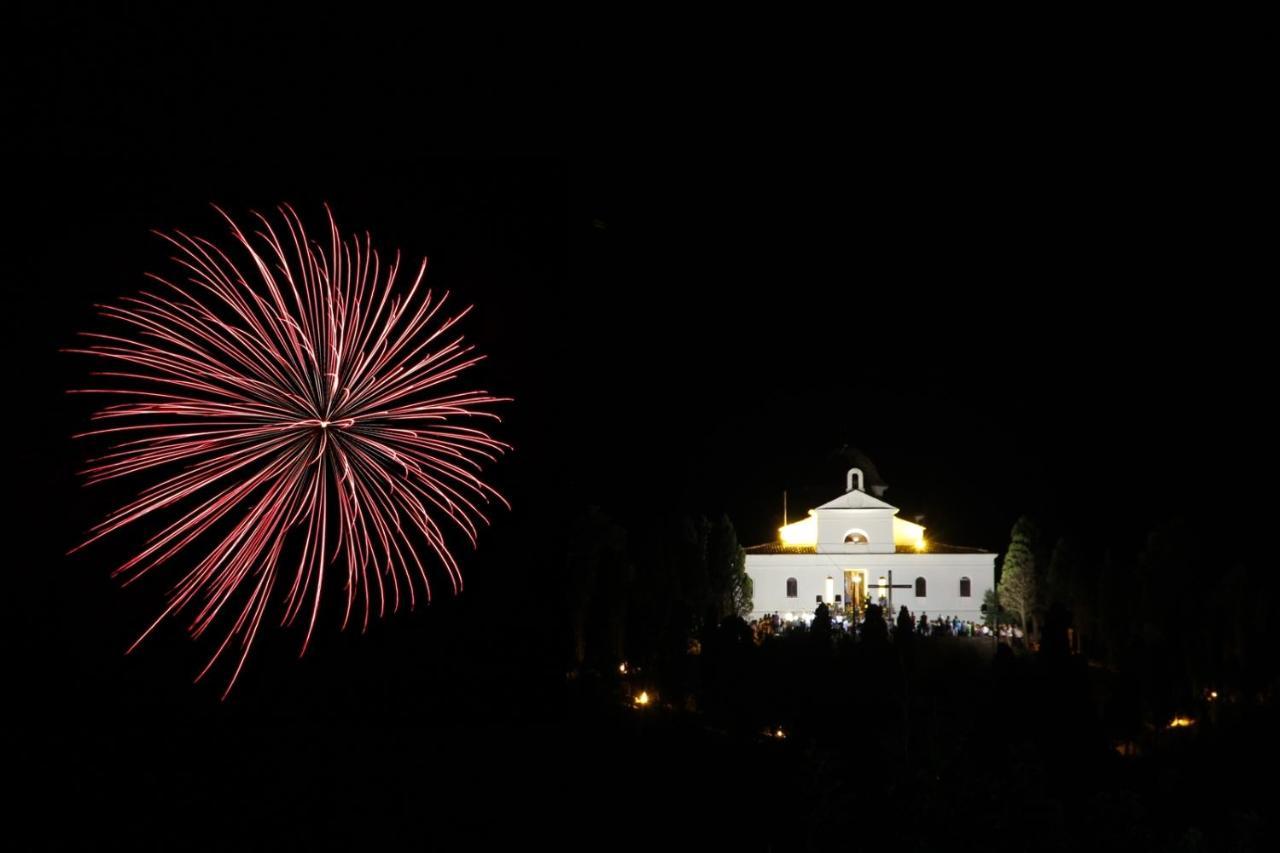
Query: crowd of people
(854, 621)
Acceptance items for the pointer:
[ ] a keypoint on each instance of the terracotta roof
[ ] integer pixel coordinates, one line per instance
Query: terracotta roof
(944, 548)
(779, 548)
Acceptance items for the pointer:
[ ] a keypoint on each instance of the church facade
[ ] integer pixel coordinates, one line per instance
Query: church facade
(855, 550)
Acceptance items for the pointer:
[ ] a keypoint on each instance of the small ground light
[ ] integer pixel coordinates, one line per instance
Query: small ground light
(779, 733)
(643, 698)
(1181, 723)
(622, 668)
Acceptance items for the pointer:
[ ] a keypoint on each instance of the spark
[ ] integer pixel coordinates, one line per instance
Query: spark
(292, 412)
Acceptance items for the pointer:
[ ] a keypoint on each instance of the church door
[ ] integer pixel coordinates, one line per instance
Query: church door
(855, 591)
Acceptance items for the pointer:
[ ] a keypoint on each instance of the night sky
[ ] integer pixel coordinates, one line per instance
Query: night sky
(697, 286)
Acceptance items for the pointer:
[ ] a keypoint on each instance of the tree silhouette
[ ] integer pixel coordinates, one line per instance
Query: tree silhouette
(1062, 566)
(992, 613)
(729, 586)
(1017, 587)
(598, 572)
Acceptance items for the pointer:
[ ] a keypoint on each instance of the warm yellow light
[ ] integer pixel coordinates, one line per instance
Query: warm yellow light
(1181, 722)
(643, 698)
(908, 534)
(779, 733)
(622, 667)
(802, 532)
(1213, 694)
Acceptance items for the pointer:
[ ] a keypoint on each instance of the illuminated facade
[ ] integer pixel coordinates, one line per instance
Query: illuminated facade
(854, 550)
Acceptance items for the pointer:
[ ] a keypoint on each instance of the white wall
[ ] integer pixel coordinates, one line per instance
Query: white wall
(942, 573)
(833, 524)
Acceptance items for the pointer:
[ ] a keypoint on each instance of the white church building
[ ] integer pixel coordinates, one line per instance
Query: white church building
(855, 550)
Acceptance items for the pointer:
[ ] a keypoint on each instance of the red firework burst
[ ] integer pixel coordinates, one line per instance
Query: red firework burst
(294, 412)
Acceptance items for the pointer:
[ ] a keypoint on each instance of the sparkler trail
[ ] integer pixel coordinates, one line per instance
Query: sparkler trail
(292, 415)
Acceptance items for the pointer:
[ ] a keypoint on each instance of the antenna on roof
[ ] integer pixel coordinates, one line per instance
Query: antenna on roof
(784, 507)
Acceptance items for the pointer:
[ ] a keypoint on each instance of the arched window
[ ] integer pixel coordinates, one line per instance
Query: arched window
(791, 588)
(856, 537)
(920, 587)
(965, 589)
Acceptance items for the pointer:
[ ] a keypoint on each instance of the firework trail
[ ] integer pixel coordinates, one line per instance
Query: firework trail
(293, 416)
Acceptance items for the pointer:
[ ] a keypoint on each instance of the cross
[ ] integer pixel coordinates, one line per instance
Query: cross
(891, 586)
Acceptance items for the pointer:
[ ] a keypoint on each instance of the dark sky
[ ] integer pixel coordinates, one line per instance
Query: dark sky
(1016, 292)
(679, 337)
